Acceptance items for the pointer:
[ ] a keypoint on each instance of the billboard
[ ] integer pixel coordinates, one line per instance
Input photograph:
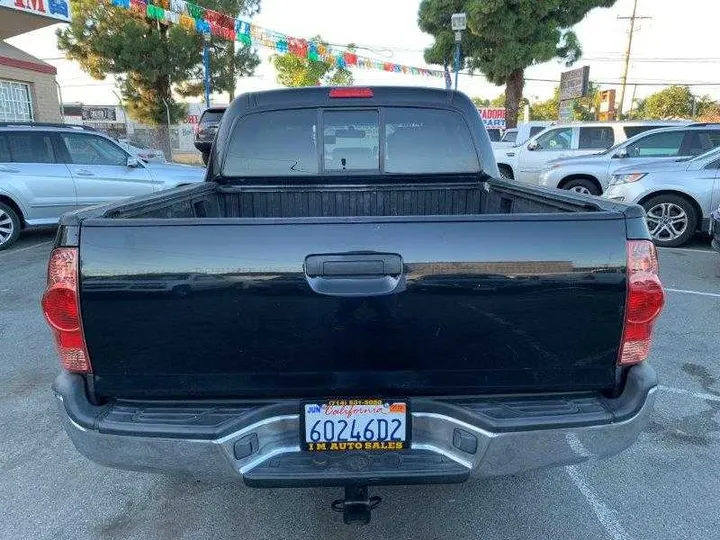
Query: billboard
(574, 84)
(493, 117)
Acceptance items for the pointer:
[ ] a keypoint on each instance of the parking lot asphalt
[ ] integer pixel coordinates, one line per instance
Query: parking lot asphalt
(665, 487)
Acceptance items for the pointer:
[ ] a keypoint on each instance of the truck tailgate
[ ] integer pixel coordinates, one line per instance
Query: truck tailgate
(461, 305)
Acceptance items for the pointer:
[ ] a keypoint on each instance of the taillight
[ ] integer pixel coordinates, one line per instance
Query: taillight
(61, 307)
(645, 299)
(351, 92)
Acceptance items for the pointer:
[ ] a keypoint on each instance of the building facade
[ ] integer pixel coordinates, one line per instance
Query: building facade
(28, 88)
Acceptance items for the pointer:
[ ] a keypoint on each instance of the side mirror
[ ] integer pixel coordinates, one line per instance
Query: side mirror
(532, 146)
(622, 154)
(133, 162)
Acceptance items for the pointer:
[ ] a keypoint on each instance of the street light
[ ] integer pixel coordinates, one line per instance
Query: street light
(458, 22)
(206, 65)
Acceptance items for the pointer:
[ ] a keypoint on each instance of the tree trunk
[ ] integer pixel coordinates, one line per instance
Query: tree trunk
(513, 95)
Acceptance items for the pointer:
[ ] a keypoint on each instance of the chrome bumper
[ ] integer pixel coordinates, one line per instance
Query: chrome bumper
(436, 456)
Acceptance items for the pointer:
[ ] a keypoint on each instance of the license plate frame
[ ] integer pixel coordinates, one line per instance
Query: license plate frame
(354, 445)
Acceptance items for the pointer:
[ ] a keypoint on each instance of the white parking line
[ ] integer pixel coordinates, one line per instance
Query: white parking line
(689, 249)
(698, 293)
(605, 515)
(699, 395)
(25, 248)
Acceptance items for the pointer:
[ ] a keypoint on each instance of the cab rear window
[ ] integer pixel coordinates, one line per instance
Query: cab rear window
(390, 140)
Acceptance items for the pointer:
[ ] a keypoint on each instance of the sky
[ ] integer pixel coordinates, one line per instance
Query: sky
(673, 46)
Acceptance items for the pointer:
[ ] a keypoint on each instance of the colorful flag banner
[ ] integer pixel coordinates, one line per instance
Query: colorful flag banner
(207, 21)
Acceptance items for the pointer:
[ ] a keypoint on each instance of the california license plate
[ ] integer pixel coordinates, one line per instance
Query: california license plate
(355, 424)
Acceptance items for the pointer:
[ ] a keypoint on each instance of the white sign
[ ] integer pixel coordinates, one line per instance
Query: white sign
(52, 9)
(458, 21)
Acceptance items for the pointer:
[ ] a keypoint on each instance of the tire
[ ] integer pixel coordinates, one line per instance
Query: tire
(205, 158)
(10, 226)
(506, 172)
(583, 186)
(672, 220)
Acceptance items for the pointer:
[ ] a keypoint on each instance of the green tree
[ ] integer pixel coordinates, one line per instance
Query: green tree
(480, 102)
(671, 102)
(504, 37)
(293, 70)
(150, 60)
(584, 108)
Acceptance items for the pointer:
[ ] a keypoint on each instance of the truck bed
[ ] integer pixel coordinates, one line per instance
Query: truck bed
(453, 196)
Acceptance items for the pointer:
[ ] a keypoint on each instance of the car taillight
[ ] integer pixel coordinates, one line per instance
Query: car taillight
(645, 299)
(351, 92)
(61, 307)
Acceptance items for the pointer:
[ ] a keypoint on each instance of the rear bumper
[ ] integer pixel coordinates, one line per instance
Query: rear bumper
(452, 439)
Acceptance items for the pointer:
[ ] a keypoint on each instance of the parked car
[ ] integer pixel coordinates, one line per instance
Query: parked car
(141, 152)
(516, 136)
(525, 162)
(715, 228)
(206, 129)
(494, 133)
(677, 196)
(47, 170)
(373, 329)
(591, 174)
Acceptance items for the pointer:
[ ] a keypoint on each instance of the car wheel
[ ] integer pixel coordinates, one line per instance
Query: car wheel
(9, 226)
(583, 186)
(671, 220)
(205, 158)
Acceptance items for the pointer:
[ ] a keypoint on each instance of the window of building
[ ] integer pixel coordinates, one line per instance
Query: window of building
(15, 102)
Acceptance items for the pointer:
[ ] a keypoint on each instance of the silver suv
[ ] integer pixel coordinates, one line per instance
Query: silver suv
(49, 169)
(591, 174)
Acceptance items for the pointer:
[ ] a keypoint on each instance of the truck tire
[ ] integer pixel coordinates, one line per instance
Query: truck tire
(10, 226)
(584, 186)
(672, 219)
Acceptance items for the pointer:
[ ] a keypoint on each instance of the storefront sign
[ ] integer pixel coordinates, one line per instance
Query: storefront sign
(574, 84)
(53, 9)
(493, 117)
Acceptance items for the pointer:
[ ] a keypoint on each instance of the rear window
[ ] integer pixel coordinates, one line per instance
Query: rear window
(631, 131)
(31, 148)
(494, 134)
(351, 140)
(277, 143)
(4, 150)
(410, 141)
(596, 138)
(428, 141)
(510, 136)
(211, 116)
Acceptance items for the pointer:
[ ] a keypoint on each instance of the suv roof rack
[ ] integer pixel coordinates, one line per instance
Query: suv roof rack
(79, 127)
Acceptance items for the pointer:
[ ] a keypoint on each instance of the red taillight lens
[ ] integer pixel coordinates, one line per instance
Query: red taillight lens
(60, 305)
(351, 92)
(645, 299)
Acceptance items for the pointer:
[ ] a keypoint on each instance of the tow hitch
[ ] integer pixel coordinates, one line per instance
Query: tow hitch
(356, 506)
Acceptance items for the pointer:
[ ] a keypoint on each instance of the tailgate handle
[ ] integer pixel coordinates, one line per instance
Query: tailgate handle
(355, 274)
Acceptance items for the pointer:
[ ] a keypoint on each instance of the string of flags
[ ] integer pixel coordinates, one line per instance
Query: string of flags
(208, 21)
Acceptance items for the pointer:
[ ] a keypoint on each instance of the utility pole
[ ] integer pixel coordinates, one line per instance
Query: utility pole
(627, 55)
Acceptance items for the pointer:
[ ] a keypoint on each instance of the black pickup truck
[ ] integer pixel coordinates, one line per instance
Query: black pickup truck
(353, 299)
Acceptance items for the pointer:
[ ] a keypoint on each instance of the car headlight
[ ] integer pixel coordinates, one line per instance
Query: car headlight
(626, 178)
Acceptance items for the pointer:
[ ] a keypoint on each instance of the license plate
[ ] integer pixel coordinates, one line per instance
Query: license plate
(339, 425)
